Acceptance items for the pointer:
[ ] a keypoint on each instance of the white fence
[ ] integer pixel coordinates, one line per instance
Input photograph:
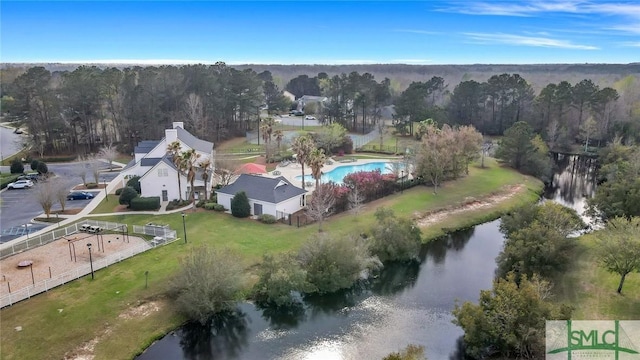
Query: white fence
(44, 239)
(162, 231)
(168, 236)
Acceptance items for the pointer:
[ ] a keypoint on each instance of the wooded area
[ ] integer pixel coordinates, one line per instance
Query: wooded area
(78, 110)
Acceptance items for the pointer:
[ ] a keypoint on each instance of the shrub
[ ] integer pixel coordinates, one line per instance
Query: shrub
(134, 182)
(219, 207)
(176, 204)
(240, 205)
(200, 203)
(267, 219)
(394, 239)
(210, 206)
(42, 168)
(210, 281)
(17, 167)
(92, 185)
(145, 203)
(118, 191)
(9, 179)
(280, 278)
(34, 165)
(334, 263)
(127, 194)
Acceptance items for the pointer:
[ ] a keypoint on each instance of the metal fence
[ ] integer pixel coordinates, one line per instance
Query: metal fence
(48, 284)
(10, 248)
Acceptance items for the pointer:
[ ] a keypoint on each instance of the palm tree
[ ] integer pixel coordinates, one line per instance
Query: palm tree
(316, 161)
(189, 159)
(174, 149)
(302, 146)
(279, 134)
(267, 130)
(205, 165)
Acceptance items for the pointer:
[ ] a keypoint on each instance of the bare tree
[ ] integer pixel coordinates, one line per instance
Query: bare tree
(80, 169)
(108, 153)
(94, 166)
(320, 206)
(45, 193)
(356, 200)
(194, 112)
(224, 169)
(60, 191)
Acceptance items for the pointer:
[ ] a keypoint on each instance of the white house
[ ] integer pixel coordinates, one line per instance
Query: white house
(158, 174)
(273, 196)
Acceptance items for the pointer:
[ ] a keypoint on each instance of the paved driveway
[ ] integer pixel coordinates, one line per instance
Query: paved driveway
(20, 206)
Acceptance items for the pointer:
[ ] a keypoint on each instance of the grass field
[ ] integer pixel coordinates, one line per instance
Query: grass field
(592, 290)
(83, 311)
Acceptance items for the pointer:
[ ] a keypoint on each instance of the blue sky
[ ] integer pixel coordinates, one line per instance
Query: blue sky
(319, 32)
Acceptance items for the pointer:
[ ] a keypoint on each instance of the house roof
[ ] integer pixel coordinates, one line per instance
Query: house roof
(165, 159)
(145, 146)
(129, 165)
(193, 142)
(149, 161)
(272, 190)
(312, 98)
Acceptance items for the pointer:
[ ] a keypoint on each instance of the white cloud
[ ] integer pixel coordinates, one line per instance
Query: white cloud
(533, 8)
(518, 40)
(631, 43)
(632, 28)
(136, 61)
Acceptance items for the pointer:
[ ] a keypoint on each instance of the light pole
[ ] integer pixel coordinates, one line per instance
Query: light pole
(184, 227)
(106, 194)
(402, 179)
(90, 260)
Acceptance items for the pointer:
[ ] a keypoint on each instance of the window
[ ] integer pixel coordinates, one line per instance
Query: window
(302, 200)
(163, 172)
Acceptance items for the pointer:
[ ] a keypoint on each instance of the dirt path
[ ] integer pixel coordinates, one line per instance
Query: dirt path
(424, 220)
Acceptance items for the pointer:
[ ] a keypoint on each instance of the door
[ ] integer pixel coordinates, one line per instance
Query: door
(165, 195)
(257, 209)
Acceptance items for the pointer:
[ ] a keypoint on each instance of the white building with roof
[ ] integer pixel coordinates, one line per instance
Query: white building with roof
(154, 165)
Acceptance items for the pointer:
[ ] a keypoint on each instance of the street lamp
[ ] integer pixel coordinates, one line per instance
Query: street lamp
(184, 227)
(106, 194)
(90, 260)
(402, 179)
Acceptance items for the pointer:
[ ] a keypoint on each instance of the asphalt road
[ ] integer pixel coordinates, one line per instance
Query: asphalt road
(20, 206)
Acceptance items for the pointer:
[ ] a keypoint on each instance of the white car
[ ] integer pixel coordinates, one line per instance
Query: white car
(310, 117)
(20, 184)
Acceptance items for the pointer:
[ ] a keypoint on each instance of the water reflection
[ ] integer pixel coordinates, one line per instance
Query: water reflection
(223, 336)
(284, 317)
(395, 277)
(574, 181)
(437, 250)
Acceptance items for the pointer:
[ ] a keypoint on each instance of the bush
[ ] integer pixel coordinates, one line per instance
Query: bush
(118, 191)
(145, 203)
(267, 219)
(127, 194)
(200, 203)
(280, 278)
(7, 180)
(334, 263)
(17, 167)
(92, 185)
(209, 281)
(240, 205)
(34, 165)
(134, 182)
(214, 206)
(42, 168)
(394, 239)
(176, 204)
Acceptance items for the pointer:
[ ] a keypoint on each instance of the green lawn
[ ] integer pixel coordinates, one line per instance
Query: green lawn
(107, 205)
(592, 290)
(91, 309)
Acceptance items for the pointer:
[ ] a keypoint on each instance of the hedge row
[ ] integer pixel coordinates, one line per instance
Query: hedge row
(7, 180)
(145, 203)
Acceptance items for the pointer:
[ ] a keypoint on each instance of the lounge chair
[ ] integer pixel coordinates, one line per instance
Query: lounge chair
(276, 172)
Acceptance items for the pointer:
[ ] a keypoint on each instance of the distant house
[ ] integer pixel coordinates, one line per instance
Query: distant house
(273, 196)
(289, 95)
(310, 99)
(158, 174)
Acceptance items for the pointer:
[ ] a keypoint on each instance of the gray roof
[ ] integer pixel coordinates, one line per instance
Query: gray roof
(129, 165)
(145, 146)
(312, 98)
(149, 161)
(168, 159)
(193, 142)
(263, 188)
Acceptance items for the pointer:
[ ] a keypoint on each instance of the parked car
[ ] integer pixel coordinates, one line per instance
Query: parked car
(296, 112)
(310, 117)
(20, 184)
(80, 195)
(32, 177)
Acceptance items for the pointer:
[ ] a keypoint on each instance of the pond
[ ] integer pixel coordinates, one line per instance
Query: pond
(406, 304)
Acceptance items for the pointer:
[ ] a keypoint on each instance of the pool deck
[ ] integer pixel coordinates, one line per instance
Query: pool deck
(294, 169)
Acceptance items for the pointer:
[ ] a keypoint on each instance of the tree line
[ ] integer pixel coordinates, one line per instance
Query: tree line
(81, 110)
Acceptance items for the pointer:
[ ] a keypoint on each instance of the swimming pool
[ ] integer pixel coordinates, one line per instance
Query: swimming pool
(336, 175)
